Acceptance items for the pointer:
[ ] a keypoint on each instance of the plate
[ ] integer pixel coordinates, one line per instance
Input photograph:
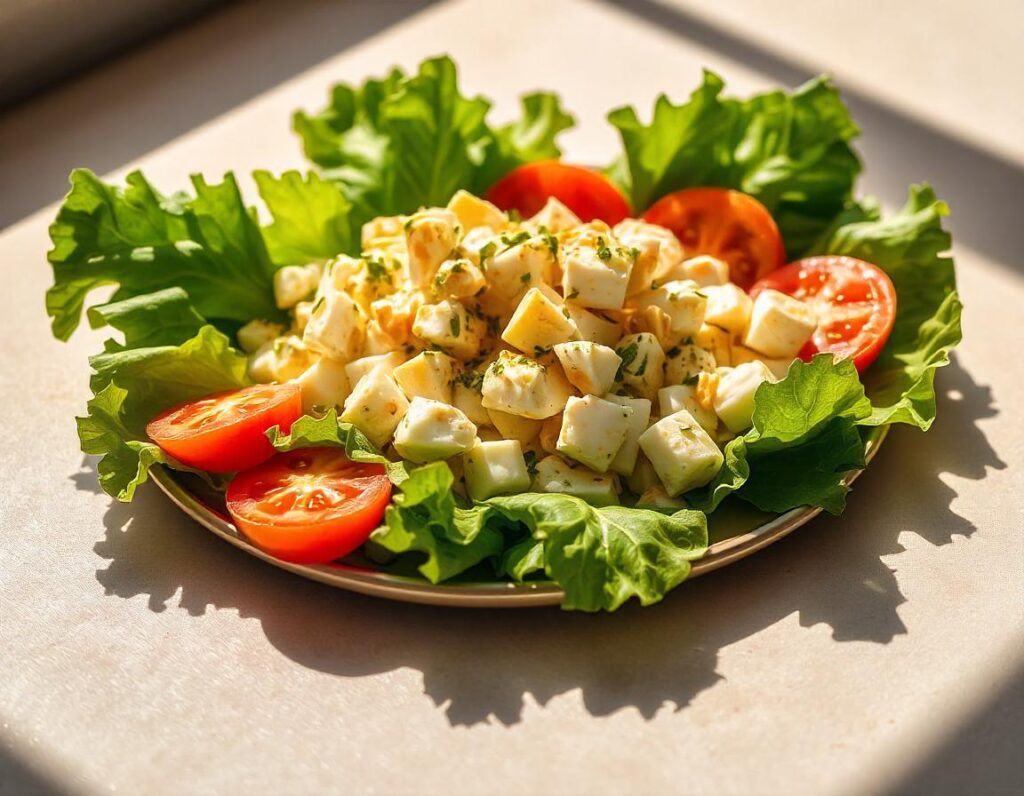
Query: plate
(735, 531)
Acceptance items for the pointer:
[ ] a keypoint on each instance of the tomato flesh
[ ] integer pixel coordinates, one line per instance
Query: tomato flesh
(226, 432)
(309, 506)
(855, 303)
(725, 224)
(589, 194)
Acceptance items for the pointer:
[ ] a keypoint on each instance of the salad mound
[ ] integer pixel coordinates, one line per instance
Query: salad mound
(446, 349)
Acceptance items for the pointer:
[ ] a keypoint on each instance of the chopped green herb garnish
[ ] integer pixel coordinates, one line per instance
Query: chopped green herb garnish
(455, 325)
(525, 278)
(690, 381)
(627, 355)
(531, 462)
(574, 294)
(673, 352)
(643, 367)
(514, 240)
(603, 252)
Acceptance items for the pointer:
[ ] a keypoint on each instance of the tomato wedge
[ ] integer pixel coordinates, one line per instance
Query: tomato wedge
(309, 506)
(726, 224)
(855, 303)
(225, 432)
(589, 194)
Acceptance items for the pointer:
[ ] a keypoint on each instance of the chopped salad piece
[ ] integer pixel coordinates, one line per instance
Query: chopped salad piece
(538, 334)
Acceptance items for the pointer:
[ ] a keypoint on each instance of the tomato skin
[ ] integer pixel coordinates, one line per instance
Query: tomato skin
(589, 194)
(726, 224)
(855, 302)
(225, 432)
(309, 506)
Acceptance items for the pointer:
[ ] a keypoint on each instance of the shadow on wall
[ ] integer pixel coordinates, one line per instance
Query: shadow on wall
(831, 572)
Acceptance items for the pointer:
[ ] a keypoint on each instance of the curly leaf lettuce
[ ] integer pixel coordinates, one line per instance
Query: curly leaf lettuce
(312, 218)
(791, 150)
(165, 317)
(407, 141)
(133, 386)
(910, 246)
(808, 420)
(209, 245)
(602, 557)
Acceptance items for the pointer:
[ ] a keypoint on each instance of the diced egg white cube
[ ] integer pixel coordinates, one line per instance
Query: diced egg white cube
(684, 396)
(625, 460)
(293, 283)
(593, 430)
(495, 468)
(686, 361)
(523, 386)
(555, 217)
(642, 363)
(682, 453)
(357, 368)
(705, 270)
(538, 324)
(256, 334)
(430, 237)
(734, 395)
(336, 327)
(427, 375)
(324, 385)
(376, 406)
(554, 474)
(729, 307)
(779, 325)
(596, 276)
(472, 212)
(522, 429)
(432, 430)
(681, 301)
(515, 269)
(589, 367)
(448, 326)
(592, 326)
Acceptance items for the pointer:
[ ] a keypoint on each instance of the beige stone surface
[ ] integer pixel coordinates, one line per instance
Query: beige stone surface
(877, 651)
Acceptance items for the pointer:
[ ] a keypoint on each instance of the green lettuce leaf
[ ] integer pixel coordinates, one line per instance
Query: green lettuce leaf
(133, 386)
(529, 138)
(602, 557)
(789, 149)
(407, 141)
(326, 431)
(811, 412)
(133, 237)
(426, 520)
(911, 247)
(312, 218)
(163, 318)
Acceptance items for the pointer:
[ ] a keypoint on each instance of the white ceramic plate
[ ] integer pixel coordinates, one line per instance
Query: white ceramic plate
(735, 531)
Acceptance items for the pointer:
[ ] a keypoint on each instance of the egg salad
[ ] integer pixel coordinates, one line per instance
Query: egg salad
(544, 354)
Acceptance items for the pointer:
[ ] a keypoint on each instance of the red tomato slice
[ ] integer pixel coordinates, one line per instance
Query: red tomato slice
(309, 506)
(855, 303)
(729, 225)
(225, 432)
(587, 193)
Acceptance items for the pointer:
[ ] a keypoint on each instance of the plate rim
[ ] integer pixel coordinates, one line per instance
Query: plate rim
(484, 594)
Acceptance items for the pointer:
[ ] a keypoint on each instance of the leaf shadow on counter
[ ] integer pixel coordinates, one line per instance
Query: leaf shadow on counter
(480, 665)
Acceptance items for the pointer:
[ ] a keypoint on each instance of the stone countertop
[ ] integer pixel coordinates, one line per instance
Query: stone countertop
(879, 651)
